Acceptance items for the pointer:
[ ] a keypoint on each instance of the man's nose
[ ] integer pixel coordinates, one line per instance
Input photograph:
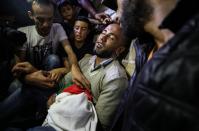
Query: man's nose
(79, 30)
(103, 37)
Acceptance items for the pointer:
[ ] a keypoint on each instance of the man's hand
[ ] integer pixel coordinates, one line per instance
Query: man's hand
(51, 100)
(40, 79)
(78, 78)
(23, 68)
(56, 74)
(103, 18)
(117, 17)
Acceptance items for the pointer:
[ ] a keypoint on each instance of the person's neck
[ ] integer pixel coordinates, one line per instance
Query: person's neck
(40, 34)
(161, 10)
(79, 44)
(98, 60)
(71, 22)
(167, 35)
(161, 36)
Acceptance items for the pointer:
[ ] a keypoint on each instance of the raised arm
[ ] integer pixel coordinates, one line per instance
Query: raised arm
(102, 17)
(119, 11)
(77, 75)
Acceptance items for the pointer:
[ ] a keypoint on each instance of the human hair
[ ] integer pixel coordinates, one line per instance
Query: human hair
(64, 3)
(84, 19)
(135, 16)
(44, 2)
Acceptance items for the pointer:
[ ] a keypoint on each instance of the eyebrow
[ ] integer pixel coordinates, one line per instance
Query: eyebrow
(110, 34)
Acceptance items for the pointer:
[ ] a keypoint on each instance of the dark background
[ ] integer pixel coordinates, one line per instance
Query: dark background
(14, 13)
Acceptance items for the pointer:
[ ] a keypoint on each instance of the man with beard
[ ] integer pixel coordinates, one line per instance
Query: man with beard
(163, 97)
(108, 82)
(41, 69)
(43, 40)
(108, 78)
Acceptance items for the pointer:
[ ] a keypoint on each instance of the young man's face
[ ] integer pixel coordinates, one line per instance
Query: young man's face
(80, 31)
(67, 12)
(43, 18)
(108, 41)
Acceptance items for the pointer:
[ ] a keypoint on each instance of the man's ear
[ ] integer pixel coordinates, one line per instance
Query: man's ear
(119, 50)
(30, 14)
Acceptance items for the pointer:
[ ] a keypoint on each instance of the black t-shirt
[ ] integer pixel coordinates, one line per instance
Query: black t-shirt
(87, 48)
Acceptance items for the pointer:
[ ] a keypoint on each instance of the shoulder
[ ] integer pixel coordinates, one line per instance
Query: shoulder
(27, 29)
(115, 71)
(57, 28)
(56, 25)
(85, 59)
(58, 31)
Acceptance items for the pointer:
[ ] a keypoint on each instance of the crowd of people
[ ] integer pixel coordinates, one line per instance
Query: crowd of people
(71, 75)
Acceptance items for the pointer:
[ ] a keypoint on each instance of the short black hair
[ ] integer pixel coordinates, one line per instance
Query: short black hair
(64, 3)
(84, 19)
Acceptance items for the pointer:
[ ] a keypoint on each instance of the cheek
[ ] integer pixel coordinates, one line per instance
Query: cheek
(84, 35)
(111, 45)
(66, 12)
(70, 12)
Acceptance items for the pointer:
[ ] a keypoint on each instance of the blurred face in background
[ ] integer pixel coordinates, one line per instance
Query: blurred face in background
(81, 31)
(42, 15)
(67, 12)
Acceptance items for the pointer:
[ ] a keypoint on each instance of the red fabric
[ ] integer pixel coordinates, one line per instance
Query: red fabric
(75, 89)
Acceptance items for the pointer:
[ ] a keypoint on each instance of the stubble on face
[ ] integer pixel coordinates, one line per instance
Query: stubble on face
(108, 41)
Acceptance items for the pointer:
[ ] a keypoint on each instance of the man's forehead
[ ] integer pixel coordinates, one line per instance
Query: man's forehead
(43, 9)
(113, 28)
(82, 23)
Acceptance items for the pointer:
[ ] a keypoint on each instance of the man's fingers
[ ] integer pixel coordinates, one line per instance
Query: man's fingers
(56, 77)
(46, 73)
(48, 84)
(18, 70)
(86, 83)
(23, 66)
(77, 83)
(106, 20)
(83, 83)
(14, 68)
